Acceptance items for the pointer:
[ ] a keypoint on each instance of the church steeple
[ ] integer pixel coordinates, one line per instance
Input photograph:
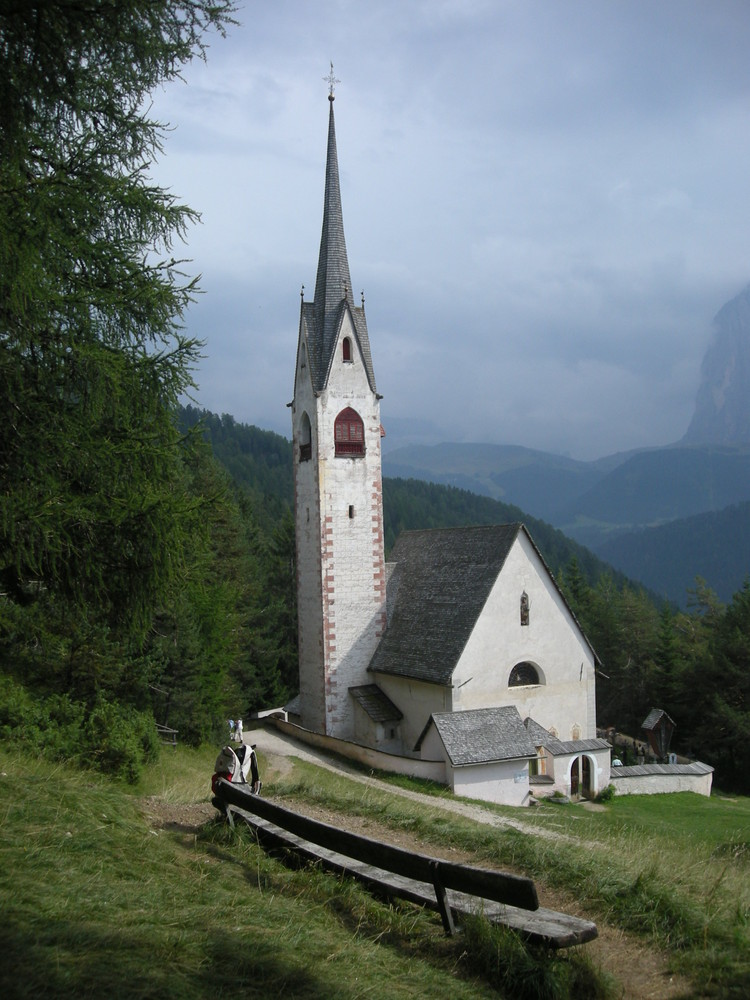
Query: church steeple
(338, 495)
(333, 283)
(321, 320)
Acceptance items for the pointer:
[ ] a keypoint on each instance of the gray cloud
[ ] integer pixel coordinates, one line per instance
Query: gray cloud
(545, 203)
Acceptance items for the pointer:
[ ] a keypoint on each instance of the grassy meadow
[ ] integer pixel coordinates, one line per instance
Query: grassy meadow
(108, 890)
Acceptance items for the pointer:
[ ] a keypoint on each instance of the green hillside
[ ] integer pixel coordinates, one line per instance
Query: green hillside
(260, 462)
(667, 559)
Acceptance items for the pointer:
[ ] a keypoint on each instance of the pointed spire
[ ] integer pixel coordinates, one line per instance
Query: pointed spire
(321, 319)
(333, 283)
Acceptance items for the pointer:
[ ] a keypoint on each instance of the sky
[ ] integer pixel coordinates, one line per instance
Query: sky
(545, 202)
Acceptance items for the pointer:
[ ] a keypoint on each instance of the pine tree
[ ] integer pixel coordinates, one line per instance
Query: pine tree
(92, 358)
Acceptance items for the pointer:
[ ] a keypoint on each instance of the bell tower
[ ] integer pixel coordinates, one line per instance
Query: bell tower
(337, 481)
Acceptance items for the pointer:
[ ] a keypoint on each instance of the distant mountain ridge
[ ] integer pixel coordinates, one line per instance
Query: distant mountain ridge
(597, 503)
(624, 507)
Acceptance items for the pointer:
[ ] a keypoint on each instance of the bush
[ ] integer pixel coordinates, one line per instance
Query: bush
(606, 794)
(111, 737)
(120, 740)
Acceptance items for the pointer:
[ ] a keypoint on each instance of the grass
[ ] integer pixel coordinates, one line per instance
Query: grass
(99, 901)
(672, 869)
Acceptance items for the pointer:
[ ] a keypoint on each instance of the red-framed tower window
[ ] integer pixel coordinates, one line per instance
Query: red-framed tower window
(349, 433)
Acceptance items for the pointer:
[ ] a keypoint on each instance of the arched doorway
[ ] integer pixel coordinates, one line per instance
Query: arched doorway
(581, 778)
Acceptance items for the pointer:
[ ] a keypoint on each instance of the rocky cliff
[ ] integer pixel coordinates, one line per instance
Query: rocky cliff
(722, 405)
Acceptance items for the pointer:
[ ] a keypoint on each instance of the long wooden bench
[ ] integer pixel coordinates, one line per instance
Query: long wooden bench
(454, 890)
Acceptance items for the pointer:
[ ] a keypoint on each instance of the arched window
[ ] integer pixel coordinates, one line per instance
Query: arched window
(305, 439)
(346, 349)
(349, 433)
(523, 675)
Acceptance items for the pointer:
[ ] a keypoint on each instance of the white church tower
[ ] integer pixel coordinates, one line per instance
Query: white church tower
(337, 481)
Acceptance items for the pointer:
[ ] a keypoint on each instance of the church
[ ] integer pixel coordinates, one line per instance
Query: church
(460, 653)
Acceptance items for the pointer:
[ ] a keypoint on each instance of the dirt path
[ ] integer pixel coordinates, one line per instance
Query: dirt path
(642, 972)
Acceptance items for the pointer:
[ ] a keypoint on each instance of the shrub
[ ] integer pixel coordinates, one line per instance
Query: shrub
(606, 794)
(120, 740)
(111, 737)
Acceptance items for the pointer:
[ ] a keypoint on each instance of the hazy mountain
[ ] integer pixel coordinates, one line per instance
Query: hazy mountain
(722, 405)
(597, 502)
(715, 546)
(539, 482)
(655, 487)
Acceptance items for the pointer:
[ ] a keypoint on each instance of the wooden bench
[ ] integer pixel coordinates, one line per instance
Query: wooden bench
(454, 890)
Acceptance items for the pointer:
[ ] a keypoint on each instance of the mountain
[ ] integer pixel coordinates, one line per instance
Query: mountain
(605, 505)
(654, 487)
(722, 405)
(715, 546)
(260, 462)
(596, 502)
(539, 482)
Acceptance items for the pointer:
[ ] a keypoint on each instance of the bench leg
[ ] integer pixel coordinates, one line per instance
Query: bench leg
(442, 900)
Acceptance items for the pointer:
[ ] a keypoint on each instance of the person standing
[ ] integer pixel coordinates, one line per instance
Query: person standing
(238, 730)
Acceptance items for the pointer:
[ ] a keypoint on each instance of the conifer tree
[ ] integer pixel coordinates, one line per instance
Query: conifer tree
(92, 357)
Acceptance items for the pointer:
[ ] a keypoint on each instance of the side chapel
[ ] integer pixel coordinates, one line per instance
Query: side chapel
(462, 649)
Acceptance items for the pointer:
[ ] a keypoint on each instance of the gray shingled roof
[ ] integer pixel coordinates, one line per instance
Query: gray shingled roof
(557, 747)
(638, 770)
(540, 737)
(320, 321)
(653, 718)
(444, 578)
(293, 707)
(376, 703)
(483, 735)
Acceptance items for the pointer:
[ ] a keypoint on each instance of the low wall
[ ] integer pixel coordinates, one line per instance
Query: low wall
(433, 770)
(658, 779)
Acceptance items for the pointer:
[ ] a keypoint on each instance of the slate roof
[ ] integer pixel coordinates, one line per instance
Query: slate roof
(292, 707)
(559, 748)
(376, 703)
(444, 578)
(638, 770)
(483, 735)
(653, 718)
(320, 320)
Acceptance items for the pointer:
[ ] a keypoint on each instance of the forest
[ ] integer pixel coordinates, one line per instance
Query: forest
(147, 548)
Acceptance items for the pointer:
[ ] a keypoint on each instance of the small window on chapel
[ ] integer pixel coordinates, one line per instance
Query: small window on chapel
(346, 349)
(523, 675)
(349, 433)
(524, 608)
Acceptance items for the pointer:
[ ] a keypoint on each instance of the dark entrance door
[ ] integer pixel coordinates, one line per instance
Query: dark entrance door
(575, 777)
(587, 788)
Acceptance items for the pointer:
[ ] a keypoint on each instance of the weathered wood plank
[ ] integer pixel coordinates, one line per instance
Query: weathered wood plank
(540, 926)
(515, 890)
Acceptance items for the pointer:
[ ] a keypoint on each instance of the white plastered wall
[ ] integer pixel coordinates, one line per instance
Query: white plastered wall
(505, 782)
(417, 701)
(551, 641)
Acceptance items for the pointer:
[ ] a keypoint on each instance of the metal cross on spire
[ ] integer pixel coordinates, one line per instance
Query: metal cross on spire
(331, 81)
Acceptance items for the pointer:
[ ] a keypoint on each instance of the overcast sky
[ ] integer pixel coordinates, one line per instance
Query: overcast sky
(545, 202)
